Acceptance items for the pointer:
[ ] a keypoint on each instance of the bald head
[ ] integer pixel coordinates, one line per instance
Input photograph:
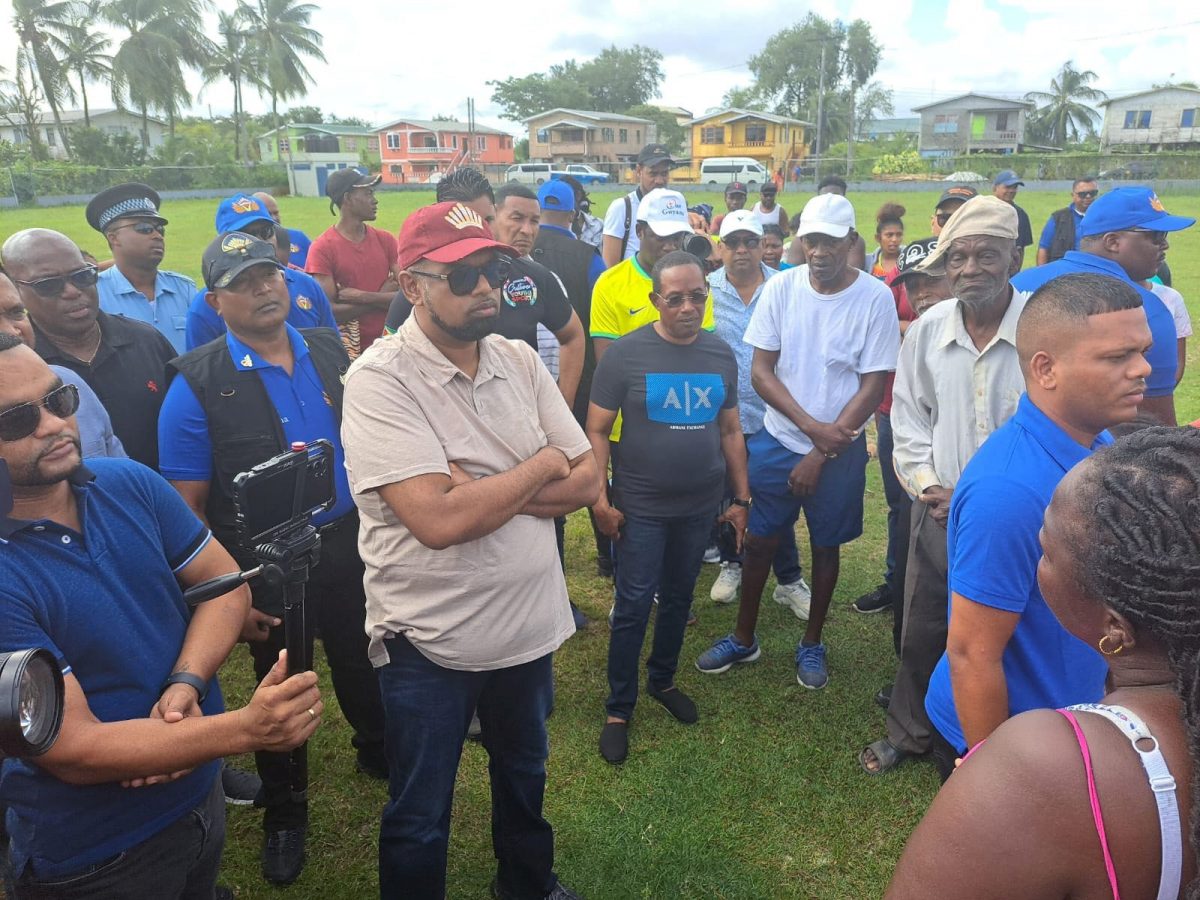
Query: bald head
(1057, 312)
(58, 306)
(269, 202)
(32, 246)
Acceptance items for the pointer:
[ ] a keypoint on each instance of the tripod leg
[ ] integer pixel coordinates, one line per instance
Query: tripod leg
(298, 641)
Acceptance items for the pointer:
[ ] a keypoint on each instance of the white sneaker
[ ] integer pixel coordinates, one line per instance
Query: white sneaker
(795, 596)
(725, 588)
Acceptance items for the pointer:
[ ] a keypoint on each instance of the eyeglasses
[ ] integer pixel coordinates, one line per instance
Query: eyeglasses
(1086, 195)
(942, 217)
(733, 242)
(22, 421)
(143, 227)
(260, 228)
(54, 285)
(1155, 237)
(695, 298)
(463, 279)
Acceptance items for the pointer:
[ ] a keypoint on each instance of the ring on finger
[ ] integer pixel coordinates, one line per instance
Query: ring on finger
(312, 713)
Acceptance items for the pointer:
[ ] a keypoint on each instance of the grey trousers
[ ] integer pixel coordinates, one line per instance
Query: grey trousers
(923, 638)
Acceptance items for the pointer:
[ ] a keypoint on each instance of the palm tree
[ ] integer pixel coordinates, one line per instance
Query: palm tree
(162, 38)
(42, 27)
(20, 104)
(231, 61)
(281, 37)
(1064, 113)
(84, 54)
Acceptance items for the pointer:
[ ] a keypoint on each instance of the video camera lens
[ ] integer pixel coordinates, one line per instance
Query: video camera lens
(699, 246)
(31, 702)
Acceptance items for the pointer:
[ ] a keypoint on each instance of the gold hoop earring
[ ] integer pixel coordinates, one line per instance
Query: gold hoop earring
(1113, 652)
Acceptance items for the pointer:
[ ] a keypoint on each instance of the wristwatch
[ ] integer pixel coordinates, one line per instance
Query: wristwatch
(190, 680)
(744, 504)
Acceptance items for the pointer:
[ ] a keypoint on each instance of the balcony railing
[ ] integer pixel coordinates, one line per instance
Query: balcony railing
(433, 150)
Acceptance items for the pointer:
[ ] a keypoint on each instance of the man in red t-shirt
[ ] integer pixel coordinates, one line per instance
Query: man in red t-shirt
(353, 262)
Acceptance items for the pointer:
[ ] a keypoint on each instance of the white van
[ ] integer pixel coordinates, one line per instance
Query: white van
(528, 173)
(725, 169)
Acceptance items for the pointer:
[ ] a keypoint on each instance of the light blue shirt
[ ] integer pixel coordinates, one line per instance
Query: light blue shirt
(96, 436)
(732, 317)
(168, 313)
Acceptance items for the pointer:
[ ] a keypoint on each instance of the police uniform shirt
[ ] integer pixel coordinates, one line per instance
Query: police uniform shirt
(530, 296)
(127, 374)
(167, 313)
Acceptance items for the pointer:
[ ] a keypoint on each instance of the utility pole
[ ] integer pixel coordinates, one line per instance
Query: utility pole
(820, 115)
(470, 155)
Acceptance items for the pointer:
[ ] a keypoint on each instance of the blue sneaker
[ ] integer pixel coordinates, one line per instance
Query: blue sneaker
(721, 656)
(810, 666)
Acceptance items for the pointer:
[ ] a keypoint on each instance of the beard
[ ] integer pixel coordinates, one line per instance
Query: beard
(34, 474)
(470, 331)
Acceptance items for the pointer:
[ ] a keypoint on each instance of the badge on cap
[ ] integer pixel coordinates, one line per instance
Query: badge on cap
(461, 217)
(520, 291)
(245, 205)
(1156, 204)
(235, 243)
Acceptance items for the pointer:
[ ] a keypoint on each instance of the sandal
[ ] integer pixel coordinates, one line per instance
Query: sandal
(886, 756)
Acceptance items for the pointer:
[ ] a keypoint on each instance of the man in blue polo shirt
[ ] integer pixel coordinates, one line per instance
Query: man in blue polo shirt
(1061, 231)
(298, 241)
(237, 402)
(134, 286)
(1124, 236)
(1081, 341)
(92, 566)
(310, 307)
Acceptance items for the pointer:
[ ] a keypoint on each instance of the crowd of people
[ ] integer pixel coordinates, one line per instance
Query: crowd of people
(696, 382)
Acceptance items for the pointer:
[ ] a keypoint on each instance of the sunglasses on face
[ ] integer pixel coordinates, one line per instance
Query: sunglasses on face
(54, 285)
(942, 217)
(144, 227)
(733, 242)
(22, 421)
(463, 278)
(1085, 195)
(1155, 237)
(695, 298)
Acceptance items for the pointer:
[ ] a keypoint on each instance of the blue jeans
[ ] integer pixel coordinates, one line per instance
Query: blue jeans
(652, 554)
(427, 709)
(179, 862)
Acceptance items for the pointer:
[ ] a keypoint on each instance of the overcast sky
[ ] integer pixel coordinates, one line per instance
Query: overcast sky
(389, 60)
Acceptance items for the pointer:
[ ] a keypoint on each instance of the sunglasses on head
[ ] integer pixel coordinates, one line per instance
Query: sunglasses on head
(695, 298)
(22, 421)
(144, 227)
(463, 278)
(56, 284)
(1084, 195)
(733, 242)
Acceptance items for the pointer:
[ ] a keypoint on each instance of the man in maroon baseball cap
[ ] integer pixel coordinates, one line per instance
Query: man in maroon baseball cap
(460, 452)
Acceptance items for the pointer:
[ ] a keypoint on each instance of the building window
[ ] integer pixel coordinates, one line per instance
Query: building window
(570, 135)
(351, 144)
(454, 141)
(1187, 118)
(713, 134)
(608, 135)
(639, 136)
(480, 142)
(1137, 118)
(945, 124)
(284, 145)
(543, 136)
(756, 134)
(623, 136)
(372, 143)
(1002, 121)
(51, 139)
(393, 141)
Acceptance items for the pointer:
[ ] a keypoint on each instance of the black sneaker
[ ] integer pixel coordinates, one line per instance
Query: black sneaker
(373, 765)
(875, 602)
(604, 567)
(241, 788)
(283, 855)
(560, 892)
(581, 621)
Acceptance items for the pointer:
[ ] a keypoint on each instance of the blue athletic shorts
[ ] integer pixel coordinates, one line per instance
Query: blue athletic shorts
(834, 513)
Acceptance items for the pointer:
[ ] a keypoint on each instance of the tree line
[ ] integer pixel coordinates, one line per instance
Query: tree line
(64, 45)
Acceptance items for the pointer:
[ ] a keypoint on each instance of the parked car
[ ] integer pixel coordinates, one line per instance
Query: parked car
(583, 174)
(529, 173)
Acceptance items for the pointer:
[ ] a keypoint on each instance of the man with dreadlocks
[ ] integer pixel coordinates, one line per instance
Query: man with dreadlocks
(1121, 571)
(1081, 341)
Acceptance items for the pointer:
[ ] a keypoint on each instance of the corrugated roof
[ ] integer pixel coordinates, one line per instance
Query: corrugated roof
(589, 114)
(1004, 100)
(441, 125)
(1150, 91)
(750, 113)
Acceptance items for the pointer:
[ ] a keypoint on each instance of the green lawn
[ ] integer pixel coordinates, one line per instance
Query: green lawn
(762, 798)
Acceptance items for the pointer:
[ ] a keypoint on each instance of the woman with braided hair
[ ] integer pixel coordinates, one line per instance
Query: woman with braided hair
(1060, 803)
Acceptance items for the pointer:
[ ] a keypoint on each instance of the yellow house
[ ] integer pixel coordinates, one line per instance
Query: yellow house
(764, 137)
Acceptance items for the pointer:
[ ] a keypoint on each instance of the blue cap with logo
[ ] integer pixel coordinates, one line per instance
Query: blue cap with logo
(1125, 208)
(556, 195)
(1008, 178)
(238, 211)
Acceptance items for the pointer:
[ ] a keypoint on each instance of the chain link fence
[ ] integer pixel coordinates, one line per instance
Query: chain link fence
(28, 184)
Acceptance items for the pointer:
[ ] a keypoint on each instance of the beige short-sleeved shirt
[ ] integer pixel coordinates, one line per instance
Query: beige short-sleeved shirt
(491, 603)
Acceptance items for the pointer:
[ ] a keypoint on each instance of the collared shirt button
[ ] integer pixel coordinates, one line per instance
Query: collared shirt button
(66, 539)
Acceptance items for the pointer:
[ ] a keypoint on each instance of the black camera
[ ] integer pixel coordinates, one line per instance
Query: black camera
(699, 246)
(32, 698)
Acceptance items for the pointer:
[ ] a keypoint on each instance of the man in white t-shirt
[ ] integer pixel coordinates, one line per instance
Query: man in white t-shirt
(1174, 302)
(825, 337)
(653, 170)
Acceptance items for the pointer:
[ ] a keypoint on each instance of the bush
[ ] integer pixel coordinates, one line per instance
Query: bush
(50, 179)
(907, 162)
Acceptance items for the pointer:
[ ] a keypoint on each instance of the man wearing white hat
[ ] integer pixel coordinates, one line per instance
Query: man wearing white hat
(825, 335)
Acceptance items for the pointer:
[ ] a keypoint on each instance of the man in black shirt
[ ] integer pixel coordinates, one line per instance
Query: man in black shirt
(121, 359)
(1005, 187)
(676, 388)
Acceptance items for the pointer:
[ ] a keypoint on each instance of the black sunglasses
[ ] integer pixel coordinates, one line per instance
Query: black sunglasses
(463, 279)
(22, 421)
(695, 298)
(1155, 237)
(1083, 195)
(144, 227)
(733, 242)
(54, 285)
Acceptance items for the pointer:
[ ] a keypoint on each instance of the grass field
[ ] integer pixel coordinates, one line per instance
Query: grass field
(762, 798)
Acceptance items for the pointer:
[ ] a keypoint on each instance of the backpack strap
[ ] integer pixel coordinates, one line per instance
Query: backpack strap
(628, 224)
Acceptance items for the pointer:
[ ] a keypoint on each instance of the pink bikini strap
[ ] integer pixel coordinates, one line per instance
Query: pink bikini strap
(1097, 816)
